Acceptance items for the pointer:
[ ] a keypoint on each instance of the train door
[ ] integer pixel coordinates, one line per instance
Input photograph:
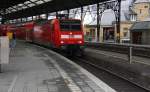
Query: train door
(28, 35)
(28, 29)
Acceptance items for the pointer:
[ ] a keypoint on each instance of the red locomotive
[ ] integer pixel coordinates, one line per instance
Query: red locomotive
(64, 34)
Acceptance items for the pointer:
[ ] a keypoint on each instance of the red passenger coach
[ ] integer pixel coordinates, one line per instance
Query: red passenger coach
(24, 31)
(27, 29)
(3, 30)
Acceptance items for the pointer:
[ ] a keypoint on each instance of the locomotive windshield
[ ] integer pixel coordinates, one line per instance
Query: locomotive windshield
(70, 25)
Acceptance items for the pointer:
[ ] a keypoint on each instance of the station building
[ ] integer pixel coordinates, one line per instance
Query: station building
(137, 11)
(140, 31)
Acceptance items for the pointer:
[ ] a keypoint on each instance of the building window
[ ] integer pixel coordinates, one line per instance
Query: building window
(140, 11)
(125, 34)
(133, 17)
(125, 28)
(145, 6)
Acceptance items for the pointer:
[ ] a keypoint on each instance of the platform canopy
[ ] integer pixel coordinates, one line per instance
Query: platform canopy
(13, 9)
(141, 26)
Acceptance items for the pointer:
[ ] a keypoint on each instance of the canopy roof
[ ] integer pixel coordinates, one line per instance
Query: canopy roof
(140, 26)
(142, 1)
(13, 9)
(8, 3)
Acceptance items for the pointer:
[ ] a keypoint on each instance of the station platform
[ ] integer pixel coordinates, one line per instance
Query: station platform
(36, 69)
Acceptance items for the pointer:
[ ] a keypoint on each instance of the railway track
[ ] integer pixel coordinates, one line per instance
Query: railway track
(117, 82)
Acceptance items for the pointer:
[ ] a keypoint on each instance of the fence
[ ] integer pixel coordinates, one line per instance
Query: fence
(129, 49)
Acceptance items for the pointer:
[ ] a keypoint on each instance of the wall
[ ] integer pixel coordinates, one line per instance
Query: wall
(142, 10)
(125, 27)
(146, 37)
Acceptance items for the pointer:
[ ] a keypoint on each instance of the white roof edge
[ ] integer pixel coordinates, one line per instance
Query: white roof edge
(142, 1)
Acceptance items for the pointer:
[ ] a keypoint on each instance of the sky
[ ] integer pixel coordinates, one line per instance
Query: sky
(108, 15)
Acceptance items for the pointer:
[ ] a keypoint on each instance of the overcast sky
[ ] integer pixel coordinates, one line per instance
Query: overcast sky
(108, 15)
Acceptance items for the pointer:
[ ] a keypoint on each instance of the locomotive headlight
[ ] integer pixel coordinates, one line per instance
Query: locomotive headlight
(79, 41)
(62, 42)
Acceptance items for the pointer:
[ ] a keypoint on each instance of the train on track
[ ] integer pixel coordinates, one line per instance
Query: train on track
(62, 34)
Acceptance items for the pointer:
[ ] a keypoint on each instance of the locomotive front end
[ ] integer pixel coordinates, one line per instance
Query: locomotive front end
(71, 36)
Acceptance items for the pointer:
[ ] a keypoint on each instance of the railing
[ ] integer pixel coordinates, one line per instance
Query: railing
(129, 49)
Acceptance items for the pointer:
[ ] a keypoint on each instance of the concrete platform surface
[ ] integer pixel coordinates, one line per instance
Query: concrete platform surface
(36, 69)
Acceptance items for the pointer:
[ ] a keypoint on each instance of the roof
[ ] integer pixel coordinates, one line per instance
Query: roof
(141, 26)
(8, 3)
(47, 7)
(22, 5)
(90, 26)
(142, 1)
(95, 26)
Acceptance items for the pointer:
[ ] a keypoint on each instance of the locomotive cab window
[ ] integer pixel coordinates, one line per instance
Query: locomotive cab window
(73, 25)
(51, 26)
